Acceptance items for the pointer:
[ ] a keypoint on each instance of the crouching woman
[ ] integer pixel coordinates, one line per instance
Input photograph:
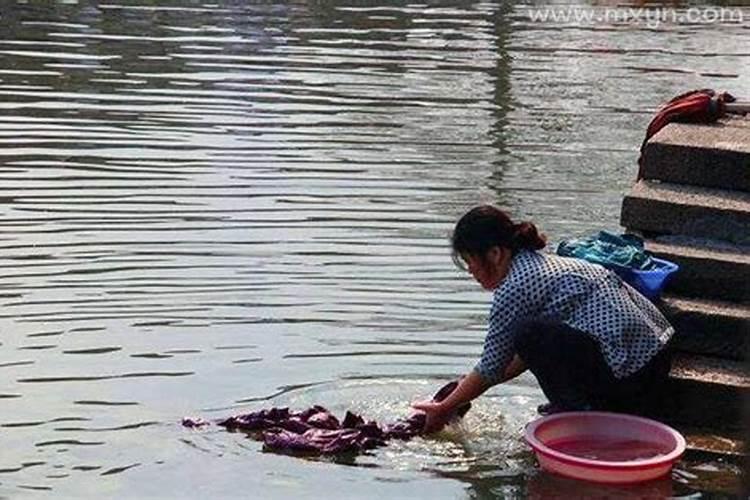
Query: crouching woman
(592, 341)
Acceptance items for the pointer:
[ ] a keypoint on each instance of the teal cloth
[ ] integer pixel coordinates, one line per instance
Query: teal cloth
(610, 250)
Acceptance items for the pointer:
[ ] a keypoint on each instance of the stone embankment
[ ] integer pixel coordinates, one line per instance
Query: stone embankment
(693, 207)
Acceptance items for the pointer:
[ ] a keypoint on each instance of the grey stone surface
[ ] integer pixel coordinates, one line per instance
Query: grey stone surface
(708, 269)
(694, 208)
(715, 155)
(707, 443)
(711, 370)
(728, 133)
(676, 209)
(736, 120)
(710, 327)
(705, 391)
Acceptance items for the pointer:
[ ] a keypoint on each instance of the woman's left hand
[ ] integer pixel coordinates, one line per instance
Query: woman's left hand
(436, 415)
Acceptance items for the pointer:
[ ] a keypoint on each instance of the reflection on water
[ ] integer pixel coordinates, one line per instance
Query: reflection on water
(209, 207)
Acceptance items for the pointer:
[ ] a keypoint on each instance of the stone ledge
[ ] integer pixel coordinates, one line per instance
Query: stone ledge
(708, 370)
(729, 134)
(716, 155)
(709, 327)
(709, 443)
(674, 209)
(735, 120)
(708, 268)
(704, 392)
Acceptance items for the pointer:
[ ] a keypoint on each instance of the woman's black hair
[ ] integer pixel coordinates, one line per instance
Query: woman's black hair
(486, 226)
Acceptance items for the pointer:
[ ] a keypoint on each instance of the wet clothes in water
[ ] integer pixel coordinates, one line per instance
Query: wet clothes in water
(574, 374)
(317, 431)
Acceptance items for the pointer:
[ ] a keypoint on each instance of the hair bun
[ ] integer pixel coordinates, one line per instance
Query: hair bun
(486, 226)
(527, 236)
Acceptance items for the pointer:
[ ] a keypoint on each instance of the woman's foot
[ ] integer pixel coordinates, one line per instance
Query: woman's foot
(551, 408)
(548, 409)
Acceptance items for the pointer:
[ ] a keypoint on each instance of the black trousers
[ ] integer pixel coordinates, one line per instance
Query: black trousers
(574, 375)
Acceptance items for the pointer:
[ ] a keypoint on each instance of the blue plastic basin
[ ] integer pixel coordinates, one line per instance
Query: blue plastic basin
(650, 283)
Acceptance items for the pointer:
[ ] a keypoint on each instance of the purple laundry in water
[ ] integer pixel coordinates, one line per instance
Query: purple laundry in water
(194, 423)
(318, 431)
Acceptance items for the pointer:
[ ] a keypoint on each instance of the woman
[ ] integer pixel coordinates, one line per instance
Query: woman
(590, 339)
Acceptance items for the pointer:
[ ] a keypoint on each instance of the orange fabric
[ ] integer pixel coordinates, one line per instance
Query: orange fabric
(696, 106)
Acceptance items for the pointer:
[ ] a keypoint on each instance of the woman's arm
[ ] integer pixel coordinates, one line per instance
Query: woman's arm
(469, 387)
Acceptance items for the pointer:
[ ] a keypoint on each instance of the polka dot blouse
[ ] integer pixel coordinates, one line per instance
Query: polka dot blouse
(585, 296)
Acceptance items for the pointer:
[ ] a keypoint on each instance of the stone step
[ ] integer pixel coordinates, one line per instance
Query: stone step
(708, 269)
(705, 391)
(715, 155)
(713, 461)
(664, 208)
(709, 327)
(709, 443)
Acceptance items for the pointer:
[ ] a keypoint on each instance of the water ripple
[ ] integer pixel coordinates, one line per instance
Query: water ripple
(222, 205)
(94, 378)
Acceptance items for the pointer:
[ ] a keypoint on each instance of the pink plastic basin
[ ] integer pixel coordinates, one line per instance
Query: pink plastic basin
(604, 447)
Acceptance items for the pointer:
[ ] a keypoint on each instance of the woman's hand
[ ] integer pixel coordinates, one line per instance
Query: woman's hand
(436, 415)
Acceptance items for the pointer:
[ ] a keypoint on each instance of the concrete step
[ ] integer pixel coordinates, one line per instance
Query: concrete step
(664, 208)
(709, 443)
(705, 391)
(715, 155)
(714, 461)
(708, 269)
(709, 327)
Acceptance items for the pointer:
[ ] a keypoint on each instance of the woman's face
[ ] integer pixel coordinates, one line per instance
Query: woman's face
(491, 270)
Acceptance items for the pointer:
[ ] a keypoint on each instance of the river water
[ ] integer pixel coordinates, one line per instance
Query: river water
(209, 208)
